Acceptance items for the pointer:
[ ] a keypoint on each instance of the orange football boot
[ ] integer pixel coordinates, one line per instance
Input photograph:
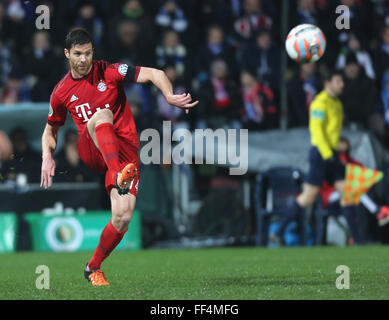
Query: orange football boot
(124, 178)
(97, 278)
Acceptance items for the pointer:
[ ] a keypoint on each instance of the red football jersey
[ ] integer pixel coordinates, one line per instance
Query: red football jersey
(101, 88)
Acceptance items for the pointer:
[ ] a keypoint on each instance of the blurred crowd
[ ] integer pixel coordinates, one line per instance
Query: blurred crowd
(226, 53)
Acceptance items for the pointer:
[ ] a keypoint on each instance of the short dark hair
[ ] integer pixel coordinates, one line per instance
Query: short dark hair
(329, 74)
(77, 36)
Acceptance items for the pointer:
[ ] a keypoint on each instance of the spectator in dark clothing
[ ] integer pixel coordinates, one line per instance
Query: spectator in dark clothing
(252, 20)
(25, 161)
(134, 11)
(171, 16)
(129, 47)
(69, 166)
(5, 62)
(263, 58)
(14, 29)
(215, 48)
(214, 12)
(353, 45)
(381, 55)
(385, 97)
(302, 88)
(87, 17)
(260, 111)
(381, 118)
(42, 65)
(219, 99)
(360, 21)
(2, 20)
(306, 13)
(336, 36)
(15, 89)
(172, 51)
(359, 94)
(60, 23)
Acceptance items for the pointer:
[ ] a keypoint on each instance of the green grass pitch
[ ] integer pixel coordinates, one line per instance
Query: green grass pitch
(220, 273)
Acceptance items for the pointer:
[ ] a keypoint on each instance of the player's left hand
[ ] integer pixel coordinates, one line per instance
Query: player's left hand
(47, 171)
(183, 101)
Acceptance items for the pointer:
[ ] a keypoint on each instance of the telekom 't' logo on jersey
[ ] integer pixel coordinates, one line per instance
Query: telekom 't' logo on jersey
(83, 111)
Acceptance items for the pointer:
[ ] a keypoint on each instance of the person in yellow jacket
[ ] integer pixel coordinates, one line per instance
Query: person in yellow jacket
(325, 126)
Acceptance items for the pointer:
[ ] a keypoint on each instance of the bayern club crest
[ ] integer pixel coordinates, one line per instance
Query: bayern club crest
(101, 86)
(123, 69)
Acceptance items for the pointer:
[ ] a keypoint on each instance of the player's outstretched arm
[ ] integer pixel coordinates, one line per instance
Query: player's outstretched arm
(49, 143)
(161, 81)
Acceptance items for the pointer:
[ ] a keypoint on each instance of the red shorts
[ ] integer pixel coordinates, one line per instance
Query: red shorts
(93, 158)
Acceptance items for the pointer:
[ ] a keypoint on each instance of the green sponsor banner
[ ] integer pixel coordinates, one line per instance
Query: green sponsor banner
(78, 232)
(8, 225)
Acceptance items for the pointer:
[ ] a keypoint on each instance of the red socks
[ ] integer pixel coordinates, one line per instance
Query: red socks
(109, 239)
(109, 146)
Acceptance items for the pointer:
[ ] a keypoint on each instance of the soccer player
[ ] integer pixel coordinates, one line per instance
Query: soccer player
(92, 92)
(325, 126)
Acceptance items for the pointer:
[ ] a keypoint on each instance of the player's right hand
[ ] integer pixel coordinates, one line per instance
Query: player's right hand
(48, 170)
(181, 100)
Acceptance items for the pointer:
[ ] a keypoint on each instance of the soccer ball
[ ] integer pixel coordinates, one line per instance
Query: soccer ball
(305, 43)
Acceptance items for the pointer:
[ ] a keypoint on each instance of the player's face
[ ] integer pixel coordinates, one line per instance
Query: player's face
(80, 58)
(336, 85)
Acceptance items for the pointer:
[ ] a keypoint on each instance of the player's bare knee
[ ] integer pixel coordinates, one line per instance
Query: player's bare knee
(104, 113)
(306, 199)
(122, 218)
(100, 117)
(125, 220)
(121, 223)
